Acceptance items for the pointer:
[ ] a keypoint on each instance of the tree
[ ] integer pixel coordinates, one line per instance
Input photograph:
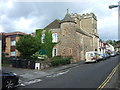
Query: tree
(27, 46)
(110, 42)
(114, 43)
(38, 38)
(48, 44)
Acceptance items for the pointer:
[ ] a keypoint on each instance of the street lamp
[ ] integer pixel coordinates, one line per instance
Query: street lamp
(115, 6)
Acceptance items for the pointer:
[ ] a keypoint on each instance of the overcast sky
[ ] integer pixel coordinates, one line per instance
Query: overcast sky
(28, 16)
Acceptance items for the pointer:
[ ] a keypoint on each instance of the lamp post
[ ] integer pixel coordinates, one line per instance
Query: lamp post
(0, 52)
(115, 6)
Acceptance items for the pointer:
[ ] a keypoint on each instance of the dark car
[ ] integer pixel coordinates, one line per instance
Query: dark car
(10, 80)
(103, 56)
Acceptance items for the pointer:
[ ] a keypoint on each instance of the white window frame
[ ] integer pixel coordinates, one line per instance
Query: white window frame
(13, 53)
(55, 37)
(42, 38)
(53, 53)
(13, 43)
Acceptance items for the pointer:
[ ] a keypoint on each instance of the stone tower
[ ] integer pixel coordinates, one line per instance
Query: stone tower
(88, 22)
(68, 36)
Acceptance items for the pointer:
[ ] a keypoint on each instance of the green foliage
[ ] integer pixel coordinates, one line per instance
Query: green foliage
(27, 46)
(38, 38)
(48, 45)
(58, 60)
(113, 42)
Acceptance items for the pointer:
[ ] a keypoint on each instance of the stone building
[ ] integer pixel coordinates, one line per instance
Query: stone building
(76, 35)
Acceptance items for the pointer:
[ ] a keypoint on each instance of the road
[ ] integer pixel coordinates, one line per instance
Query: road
(83, 76)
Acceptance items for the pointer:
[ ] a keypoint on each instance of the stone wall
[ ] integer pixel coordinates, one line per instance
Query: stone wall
(68, 43)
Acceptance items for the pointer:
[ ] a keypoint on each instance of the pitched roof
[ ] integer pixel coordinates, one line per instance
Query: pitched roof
(14, 33)
(54, 24)
(68, 18)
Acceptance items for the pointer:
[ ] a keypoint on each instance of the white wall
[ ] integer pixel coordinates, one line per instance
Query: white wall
(110, 47)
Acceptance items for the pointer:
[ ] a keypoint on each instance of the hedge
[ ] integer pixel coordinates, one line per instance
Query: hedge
(58, 60)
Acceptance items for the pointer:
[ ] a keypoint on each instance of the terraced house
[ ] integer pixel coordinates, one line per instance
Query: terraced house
(76, 35)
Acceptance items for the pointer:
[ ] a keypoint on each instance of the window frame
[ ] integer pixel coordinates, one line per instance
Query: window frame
(54, 37)
(53, 53)
(13, 43)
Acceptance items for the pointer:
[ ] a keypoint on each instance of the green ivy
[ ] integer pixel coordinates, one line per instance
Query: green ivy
(48, 44)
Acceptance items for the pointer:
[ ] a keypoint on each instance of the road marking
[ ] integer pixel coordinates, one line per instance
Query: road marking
(58, 74)
(30, 82)
(108, 78)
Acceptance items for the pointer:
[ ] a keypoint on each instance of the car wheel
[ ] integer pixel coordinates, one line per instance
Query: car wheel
(9, 84)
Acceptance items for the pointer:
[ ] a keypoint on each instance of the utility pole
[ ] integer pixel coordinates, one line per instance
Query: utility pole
(0, 52)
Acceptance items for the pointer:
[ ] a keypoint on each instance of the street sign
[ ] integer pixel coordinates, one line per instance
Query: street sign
(42, 52)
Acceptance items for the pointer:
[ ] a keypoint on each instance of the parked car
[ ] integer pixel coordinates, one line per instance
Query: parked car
(10, 80)
(107, 55)
(113, 54)
(118, 53)
(102, 56)
(91, 56)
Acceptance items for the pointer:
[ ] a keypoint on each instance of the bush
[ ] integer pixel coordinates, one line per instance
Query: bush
(58, 60)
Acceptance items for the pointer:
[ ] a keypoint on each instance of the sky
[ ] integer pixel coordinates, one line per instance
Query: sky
(28, 15)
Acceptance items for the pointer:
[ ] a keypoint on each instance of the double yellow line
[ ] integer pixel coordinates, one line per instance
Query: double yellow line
(108, 78)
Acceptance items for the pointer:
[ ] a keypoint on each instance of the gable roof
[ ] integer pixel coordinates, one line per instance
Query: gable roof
(53, 25)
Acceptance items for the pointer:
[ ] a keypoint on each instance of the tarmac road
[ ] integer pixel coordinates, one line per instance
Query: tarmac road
(83, 76)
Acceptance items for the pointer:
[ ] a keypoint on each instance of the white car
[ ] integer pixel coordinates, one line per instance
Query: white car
(91, 56)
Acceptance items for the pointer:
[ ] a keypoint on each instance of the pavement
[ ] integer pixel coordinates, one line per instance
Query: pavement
(114, 81)
(28, 76)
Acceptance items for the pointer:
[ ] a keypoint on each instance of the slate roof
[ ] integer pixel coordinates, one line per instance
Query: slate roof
(53, 25)
(67, 18)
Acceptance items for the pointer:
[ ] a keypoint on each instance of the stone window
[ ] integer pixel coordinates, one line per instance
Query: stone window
(55, 37)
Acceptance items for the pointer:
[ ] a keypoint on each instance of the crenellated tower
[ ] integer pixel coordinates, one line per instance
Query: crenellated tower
(87, 22)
